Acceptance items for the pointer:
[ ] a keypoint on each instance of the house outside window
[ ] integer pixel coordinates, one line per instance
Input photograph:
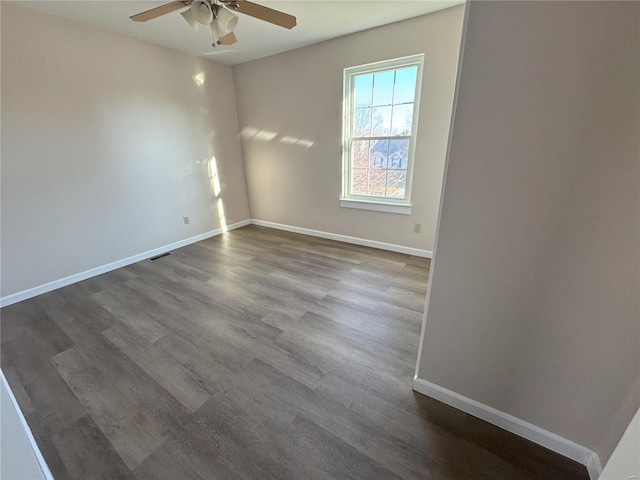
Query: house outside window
(380, 121)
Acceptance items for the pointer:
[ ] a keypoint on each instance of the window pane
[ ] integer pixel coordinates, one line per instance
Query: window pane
(401, 119)
(405, 85)
(360, 154)
(377, 182)
(362, 122)
(383, 88)
(378, 154)
(396, 183)
(380, 114)
(363, 86)
(359, 181)
(398, 154)
(381, 121)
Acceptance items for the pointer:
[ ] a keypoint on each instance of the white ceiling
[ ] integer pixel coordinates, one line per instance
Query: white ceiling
(317, 21)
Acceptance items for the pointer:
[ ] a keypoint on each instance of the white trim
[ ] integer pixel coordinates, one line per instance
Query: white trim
(32, 441)
(542, 437)
(78, 277)
(344, 238)
(347, 108)
(376, 206)
(594, 467)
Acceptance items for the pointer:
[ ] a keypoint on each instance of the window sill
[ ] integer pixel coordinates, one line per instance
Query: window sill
(400, 208)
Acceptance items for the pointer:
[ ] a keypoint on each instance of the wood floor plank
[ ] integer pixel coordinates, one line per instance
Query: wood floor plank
(47, 392)
(314, 281)
(204, 306)
(45, 443)
(179, 268)
(202, 339)
(80, 319)
(105, 281)
(302, 290)
(417, 446)
(17, 388)
(404, 298)
(357, 339)
(166, 462)
(47, 336)
(342, 312)
(184, 385)
(214, 444)
(87, 454)
(256, 354)
(331, 355)
(129, 430)
(276, 300)
(241, 427)
(135, 311)
(214, 374)
(339, 459)
(375, 441)
(14, 317)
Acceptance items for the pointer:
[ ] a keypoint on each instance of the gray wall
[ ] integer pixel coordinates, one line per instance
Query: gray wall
(105, 147)
(298, 94)
(534, 302)
(18, 460)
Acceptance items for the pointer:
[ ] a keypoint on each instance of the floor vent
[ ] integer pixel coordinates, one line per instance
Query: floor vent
(153, 259)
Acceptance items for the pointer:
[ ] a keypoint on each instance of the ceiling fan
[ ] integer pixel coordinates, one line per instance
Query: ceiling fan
(217, 15)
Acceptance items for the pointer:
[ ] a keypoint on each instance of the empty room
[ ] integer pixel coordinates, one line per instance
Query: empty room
(320, 240)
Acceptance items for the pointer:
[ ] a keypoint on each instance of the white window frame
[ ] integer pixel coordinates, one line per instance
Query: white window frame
(368, 202)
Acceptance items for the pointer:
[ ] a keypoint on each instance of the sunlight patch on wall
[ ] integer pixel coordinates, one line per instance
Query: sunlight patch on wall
(289, 140)
(221, 217)
(296, 141)
(257, 134)
(214, 179)
(253, 133)
(199, 78)
(305, 143)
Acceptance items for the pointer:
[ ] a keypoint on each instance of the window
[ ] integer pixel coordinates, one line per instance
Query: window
(380, 122)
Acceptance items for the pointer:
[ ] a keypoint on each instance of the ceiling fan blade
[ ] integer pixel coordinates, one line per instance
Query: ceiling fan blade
(267, 14)
(159, 11)
(228, 39)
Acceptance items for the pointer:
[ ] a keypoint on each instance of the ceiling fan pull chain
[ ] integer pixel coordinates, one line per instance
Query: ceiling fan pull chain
(214, 34)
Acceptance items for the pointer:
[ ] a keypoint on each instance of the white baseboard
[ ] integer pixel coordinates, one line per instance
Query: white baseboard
(542, 437)
(46, 473)
(594, 467)
(344, 238)
(78, 277)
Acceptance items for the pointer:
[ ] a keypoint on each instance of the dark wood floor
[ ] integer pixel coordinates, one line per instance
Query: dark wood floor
(255, 354)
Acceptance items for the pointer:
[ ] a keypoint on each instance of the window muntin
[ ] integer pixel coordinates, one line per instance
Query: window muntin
(379, 129)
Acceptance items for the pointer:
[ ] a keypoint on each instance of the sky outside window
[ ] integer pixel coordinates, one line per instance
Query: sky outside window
(383, 104)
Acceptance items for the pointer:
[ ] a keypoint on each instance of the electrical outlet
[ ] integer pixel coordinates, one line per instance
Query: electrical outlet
(416, 227)
(185, 220)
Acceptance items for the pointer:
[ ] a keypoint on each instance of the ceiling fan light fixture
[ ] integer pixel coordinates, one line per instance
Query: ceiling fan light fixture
(191, 20)
(201, 11)
(225, 21)
(220, 20)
